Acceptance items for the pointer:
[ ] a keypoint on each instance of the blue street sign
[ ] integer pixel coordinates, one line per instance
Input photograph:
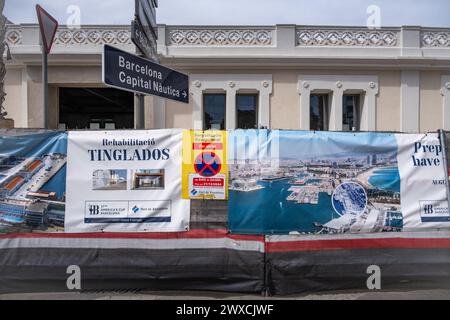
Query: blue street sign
(129, 72)
(148, 46)
(146, 13)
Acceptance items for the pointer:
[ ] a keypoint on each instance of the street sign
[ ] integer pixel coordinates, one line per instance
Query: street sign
(146, 46)
(129, 72)
(144, 34)
(48, 26)
(146, 13)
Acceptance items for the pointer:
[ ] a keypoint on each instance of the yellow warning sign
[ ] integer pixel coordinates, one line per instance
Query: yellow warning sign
(205, 165)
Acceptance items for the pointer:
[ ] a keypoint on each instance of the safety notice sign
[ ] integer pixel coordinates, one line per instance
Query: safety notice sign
(205, 165)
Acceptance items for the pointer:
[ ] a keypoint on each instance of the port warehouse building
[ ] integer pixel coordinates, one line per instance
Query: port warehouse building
(280, 77)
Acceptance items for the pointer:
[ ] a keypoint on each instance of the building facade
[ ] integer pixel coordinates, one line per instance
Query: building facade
(279, 77)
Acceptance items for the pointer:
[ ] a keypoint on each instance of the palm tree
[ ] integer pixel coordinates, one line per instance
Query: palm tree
(2, 63)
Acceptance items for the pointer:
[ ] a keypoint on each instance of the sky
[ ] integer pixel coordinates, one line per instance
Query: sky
(336, 145)
(431, 13)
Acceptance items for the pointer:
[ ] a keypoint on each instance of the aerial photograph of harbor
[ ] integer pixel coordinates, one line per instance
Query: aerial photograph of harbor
(32, 183)
(318, 183)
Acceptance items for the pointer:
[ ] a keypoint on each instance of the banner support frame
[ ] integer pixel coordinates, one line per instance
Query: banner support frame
(445, 165)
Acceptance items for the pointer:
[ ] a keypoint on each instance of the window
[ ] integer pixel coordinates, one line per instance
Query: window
(319, 112)
(351, 113)
(214, 106)
(247, 106)
(364, 87)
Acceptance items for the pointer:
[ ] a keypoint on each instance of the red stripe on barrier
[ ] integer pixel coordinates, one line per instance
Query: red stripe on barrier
(273, 247)
(394, 243)
(194, 234)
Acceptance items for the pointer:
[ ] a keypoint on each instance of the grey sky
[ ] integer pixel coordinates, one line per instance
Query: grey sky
(433, 13)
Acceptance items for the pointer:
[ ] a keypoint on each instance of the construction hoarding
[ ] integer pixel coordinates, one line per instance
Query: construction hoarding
(389, 189)
(284, 182)
(125, 181)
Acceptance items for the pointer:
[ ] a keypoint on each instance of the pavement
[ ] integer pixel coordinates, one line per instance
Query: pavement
(169, 295)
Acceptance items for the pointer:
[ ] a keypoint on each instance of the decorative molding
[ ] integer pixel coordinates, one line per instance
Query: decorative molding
(221, 37)
(13, 36)
(280, 43)
(95, 36)
(342, 82)
(445, 91)
(231, 84)
(86, 36)
(351, 38)
(435, 39)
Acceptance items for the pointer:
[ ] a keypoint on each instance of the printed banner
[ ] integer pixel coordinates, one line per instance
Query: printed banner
(205, 165)
(125, 181)
(32, 181)
(285, 182)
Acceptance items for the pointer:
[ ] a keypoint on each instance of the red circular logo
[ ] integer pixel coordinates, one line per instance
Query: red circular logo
(207, 164)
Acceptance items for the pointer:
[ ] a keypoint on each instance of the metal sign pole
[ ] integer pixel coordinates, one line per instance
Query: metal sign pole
(445, 157)
(48, 27)
(140, 116)
(45, 86)
(140, 111)
(144, 34)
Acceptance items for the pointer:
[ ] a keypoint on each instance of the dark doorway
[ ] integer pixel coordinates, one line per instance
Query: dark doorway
(95, 108)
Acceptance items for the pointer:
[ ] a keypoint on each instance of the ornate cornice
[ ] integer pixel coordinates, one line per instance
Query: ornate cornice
(349, 37)
(94, 36)
(221, 37)
(13, 35)
(86, 36)
(435, 39)
(241, 36)
(272, 42)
